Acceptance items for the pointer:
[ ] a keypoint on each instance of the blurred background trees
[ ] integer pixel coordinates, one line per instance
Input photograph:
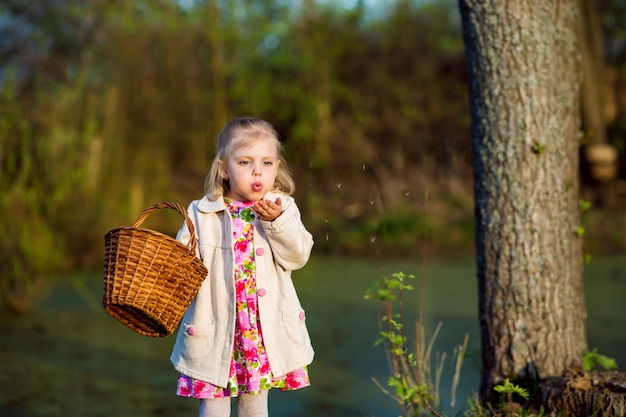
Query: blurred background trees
(107, 107)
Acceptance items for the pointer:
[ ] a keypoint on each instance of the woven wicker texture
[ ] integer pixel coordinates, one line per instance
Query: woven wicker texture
(150, 278)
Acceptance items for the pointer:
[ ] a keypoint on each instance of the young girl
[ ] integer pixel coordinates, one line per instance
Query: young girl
(245, 331)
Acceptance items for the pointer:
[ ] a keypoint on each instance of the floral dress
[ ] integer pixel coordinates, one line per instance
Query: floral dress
(249, 368)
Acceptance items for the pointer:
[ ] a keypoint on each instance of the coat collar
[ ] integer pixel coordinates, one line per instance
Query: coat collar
(210, 206)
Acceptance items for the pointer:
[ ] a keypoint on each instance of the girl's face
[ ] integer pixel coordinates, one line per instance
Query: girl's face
(251, 169)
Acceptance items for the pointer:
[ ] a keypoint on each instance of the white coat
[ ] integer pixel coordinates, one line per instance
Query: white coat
(204, 342)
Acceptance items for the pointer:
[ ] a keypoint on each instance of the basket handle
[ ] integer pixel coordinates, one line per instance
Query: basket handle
(165, 204)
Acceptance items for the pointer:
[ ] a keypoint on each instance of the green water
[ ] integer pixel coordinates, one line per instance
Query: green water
(68, 358)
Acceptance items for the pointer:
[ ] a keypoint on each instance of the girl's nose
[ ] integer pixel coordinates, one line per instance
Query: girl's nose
(256, 171)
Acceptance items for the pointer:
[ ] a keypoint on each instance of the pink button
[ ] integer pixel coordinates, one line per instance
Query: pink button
(260, 251)
(302, 315)
(191, 331)
(261, 292)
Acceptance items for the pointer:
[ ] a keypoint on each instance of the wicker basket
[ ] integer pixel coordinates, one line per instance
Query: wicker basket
(150, 278)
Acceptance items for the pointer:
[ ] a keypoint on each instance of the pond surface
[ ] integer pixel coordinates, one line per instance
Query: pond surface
(68, 358)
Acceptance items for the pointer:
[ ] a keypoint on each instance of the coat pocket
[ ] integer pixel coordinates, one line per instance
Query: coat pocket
(294, 323)
(197, 340)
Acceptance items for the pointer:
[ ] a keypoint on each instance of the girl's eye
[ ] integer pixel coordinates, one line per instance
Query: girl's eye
(244, 162)
(268, 163)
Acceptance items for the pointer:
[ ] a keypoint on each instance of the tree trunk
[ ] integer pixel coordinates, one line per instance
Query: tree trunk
(214, 38)
(601, 156)
(592, 59)
(524, 90)
(319, 75)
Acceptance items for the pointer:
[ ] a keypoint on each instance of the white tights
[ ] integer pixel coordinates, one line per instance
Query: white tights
(254, 405)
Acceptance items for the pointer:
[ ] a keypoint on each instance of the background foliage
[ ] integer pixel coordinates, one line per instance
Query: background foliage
(107, 107)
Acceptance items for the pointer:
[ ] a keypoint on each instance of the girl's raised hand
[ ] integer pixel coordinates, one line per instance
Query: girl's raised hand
(268, 210)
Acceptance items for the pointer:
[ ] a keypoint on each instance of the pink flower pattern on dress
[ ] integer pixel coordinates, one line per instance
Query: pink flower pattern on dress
(250, 370)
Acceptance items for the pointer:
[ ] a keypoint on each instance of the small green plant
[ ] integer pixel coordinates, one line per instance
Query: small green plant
(508, 407)
(593, 360)
(411, 395)
(411, 379)
(583, 205)
(508, 388)
(541, 148)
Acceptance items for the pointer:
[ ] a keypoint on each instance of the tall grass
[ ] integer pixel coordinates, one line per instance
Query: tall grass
(415, 377)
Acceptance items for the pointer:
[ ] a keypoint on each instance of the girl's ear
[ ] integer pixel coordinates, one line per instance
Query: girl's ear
(221, 169)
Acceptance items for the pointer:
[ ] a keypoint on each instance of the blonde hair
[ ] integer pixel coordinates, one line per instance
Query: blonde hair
(241, 131)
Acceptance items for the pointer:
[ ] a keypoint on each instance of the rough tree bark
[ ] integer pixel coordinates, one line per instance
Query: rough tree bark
(524, 89)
